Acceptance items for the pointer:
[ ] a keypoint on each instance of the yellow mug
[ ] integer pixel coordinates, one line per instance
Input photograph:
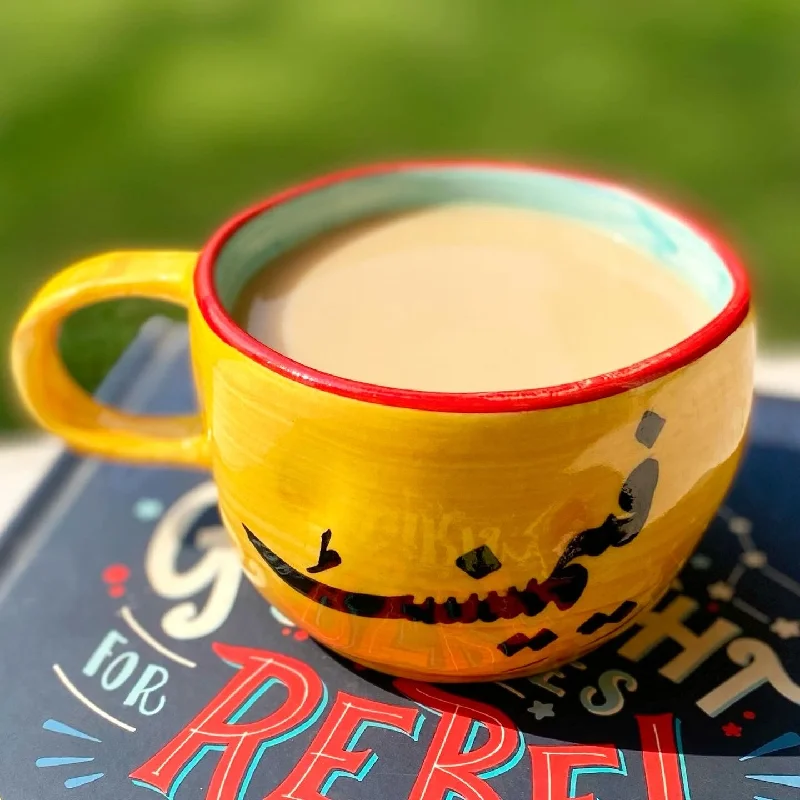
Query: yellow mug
(441, 536)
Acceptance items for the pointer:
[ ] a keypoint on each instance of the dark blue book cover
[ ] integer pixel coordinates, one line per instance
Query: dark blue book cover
(134, 657)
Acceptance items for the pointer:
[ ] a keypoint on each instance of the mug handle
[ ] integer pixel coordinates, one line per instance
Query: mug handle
(51, 394)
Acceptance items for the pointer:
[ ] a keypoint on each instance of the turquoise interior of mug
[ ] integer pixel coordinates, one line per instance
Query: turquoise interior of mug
(617, 211)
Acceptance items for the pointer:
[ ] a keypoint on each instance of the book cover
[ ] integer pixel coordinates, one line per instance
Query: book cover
(135, 658)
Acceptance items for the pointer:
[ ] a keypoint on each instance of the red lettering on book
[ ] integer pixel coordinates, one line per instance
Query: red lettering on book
(663, 771)
(451, 765)
(333, 754)
(555, 768)
(217, 726)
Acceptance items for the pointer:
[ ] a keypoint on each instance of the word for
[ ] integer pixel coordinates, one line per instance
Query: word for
(117, 670)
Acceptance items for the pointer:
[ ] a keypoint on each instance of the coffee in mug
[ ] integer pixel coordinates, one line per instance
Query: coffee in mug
(469, 298)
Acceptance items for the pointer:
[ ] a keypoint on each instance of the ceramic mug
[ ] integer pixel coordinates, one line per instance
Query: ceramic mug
(432, 535)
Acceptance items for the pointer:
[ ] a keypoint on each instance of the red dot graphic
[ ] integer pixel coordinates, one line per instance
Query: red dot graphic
(749, 715)
(301, 636)
(116, 573)
(286, 631)
(115, 576)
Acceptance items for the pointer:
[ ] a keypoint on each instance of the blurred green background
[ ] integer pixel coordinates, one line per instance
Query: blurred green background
(144, 123)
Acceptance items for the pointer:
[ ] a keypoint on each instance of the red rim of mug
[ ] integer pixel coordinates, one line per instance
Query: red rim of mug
(595, 388)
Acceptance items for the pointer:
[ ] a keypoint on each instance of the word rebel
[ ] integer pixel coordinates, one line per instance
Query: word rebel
(468, 742)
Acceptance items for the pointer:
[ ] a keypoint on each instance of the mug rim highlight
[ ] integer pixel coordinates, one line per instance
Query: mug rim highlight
(586, 390)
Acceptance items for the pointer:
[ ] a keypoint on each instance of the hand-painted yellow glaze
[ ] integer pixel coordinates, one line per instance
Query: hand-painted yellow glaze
(405, 492)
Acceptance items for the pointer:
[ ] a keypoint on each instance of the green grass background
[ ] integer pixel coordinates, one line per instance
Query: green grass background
(144, 123)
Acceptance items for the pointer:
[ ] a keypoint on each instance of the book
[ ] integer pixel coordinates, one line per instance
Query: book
(136, 658)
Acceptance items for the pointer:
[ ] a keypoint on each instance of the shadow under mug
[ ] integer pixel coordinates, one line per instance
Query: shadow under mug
(432, 535)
